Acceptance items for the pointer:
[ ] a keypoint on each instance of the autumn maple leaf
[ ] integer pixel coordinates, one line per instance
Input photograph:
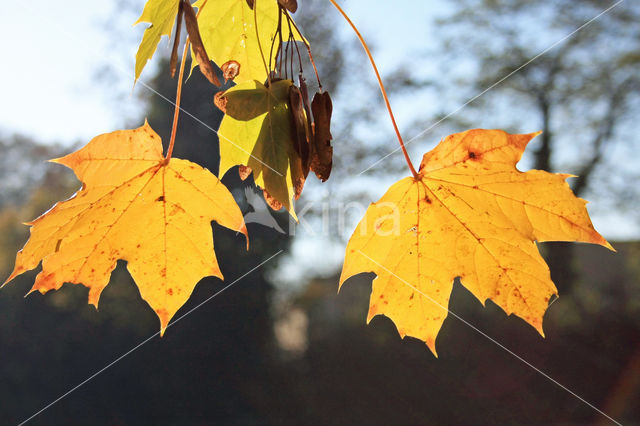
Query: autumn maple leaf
(161, 14)
(137, 206)
(470, 214)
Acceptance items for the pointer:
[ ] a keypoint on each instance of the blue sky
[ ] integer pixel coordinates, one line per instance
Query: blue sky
(52, 55)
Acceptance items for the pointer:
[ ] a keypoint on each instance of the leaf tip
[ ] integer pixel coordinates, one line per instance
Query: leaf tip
(431, 344)
(164, 317)
(244, 231)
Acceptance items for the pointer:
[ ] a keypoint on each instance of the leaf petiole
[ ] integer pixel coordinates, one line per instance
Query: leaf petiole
(384, 93)
(176, 113)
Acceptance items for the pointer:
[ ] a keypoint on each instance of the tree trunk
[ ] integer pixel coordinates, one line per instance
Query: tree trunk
(559, 256)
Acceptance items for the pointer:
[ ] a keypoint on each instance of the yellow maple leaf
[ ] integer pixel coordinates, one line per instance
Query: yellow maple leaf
(136, 206)
(256, 132)
(228, 32)
(469, 214)
(161, 14)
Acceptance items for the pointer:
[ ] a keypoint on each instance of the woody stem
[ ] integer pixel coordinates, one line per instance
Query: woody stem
(176, 112)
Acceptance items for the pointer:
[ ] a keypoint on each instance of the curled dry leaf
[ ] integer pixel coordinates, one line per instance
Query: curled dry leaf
(196, 44)
(321, 149)
(469, 214)
(220, 101)
(290, 5)
(173, 63)
(137, 206)
(230, 70)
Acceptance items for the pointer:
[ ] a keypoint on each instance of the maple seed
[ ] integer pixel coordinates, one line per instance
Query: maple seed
(290, 5)
(173, 64)
(299, 127)
(321, 149)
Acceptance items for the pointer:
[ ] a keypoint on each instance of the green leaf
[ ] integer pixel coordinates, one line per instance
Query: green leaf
(161, 14)
(256, 132)
(228, 33)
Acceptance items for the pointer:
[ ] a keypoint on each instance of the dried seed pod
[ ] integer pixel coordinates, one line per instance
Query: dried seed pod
(299, 125)
(244, 171)
(290, 5)
(307, 110)
(321, 149)
(196, 42)
(173, 63)
(230, 70)
(220, 101)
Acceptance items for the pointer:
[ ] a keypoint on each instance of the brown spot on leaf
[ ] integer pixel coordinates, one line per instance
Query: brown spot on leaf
(160, 198)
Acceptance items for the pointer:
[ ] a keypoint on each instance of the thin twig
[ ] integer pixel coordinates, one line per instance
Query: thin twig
(384, 93)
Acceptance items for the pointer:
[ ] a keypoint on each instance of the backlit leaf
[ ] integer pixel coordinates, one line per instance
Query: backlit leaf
(256, 132)
(470, 214)
(135, 206)
(228, 34)
(161, 14)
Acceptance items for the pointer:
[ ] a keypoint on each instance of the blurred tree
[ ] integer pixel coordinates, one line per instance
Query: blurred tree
(570, 69)
(22, 168)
